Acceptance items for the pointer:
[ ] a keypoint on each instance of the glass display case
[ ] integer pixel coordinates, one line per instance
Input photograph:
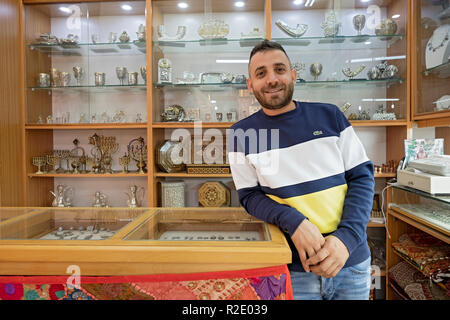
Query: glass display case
(431, 79)
(85, 98)
(417, 244)
(7, 213)
(124, 241)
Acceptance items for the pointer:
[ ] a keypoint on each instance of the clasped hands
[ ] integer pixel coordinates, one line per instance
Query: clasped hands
(323, 256)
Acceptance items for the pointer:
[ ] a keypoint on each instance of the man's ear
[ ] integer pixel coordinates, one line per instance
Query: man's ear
(249, 85)
(294, 75)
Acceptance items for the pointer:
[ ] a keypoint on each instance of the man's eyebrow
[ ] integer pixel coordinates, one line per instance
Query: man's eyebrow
(277, 64)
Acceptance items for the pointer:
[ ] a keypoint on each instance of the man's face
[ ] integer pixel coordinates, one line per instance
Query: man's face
(271, 79)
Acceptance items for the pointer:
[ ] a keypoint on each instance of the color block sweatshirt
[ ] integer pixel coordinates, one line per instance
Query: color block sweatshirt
(307, 163)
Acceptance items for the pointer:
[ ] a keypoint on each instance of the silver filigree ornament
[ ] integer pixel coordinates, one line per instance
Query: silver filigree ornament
(351, 74)
(296, 32)
(162, 36)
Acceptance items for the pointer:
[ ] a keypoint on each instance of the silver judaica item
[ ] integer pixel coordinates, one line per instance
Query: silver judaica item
(141, 33)
(64, 78)
(173, 113)
(316, 70)
(121, 73)
(112, 37)
(135, 196)
(296, 32)
(100, 200)
(162, 35)
(124, 37)
(143, 70)
(331, 25)
(374, 73)
(172, 193)
(213, 29)
(300, 68)
(99, 78)
(132, 78)
(351, 74)
(164, 71)
(62, 197)
(44, 80)
(78, 73)
(359, 21)
(386, 27)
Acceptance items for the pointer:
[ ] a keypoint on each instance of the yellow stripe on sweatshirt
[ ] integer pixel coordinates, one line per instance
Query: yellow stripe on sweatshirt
(323, 208)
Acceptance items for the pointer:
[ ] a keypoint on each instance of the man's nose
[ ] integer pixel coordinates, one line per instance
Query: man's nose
(272, 78)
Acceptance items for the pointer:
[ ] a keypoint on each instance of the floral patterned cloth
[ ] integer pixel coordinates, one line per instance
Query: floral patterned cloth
(271, 283)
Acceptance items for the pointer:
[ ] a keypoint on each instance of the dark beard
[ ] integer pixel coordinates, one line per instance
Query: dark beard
(278, 103)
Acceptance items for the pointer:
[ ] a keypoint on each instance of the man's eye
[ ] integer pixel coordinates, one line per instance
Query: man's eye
(280, 70)
(259, 74)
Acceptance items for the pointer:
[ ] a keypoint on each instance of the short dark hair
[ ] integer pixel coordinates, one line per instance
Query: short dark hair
(267, 45)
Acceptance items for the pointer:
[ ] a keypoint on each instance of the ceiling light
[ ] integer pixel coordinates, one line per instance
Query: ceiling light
(126, 7)
(65, 10)
(297, 2)
(365, 0)
(182, 5)
(239, 4)
(309, 3)
(232, 61)
(395, 16)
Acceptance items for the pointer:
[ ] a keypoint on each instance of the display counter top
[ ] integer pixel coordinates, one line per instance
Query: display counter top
(126, 241)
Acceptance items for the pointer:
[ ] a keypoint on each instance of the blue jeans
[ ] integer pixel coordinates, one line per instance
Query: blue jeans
(351, 283)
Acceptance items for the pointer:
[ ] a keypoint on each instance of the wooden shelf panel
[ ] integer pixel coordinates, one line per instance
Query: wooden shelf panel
(87, 175)
(190, 175)
(87, 126)
(385, 175)
(375, 225)
(168, 125)
(378, 123)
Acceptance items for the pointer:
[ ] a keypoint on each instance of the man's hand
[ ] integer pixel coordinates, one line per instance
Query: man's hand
(329, 260)
(308, 240)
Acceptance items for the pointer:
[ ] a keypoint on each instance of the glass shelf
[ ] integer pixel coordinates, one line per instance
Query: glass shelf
(342, 42)
(309, 84)
(442, 70)
(443, 199)
(114, 87)
(92, 49)
(210, 45)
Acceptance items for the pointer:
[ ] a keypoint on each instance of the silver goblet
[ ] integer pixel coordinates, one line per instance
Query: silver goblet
(316, 70)
(78, 73)
(359, 21)
(64, 78)
(143, 70)
(121, 73)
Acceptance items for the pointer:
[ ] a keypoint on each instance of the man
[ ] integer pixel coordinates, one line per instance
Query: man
(301, 167)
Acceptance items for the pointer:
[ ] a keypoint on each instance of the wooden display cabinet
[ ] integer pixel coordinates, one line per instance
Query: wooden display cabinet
(405, 209)
(138, 241)
(431, 77)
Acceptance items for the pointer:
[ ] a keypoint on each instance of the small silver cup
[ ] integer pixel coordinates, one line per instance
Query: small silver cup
(65, 79)
(132, 78)
(100, 78)
(44, 80)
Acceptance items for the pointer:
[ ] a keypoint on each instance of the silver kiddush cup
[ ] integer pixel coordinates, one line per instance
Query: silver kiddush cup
(44, 80)
(100, 78)
(132, 78)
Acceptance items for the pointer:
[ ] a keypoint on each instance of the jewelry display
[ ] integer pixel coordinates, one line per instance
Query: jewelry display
(112, 37)
(255, 34)
(437, 50)
(78, 73)
(79, 233)
(210, 77)
(100, 78)
(229, 116)
(382, 71)
(443, 103)
(386, 27)
(240, 78)
(143, 71)
(133, 78)
(135, 196)
(64, 78)
(316, 70)
(219, 116)
(63, 196)
(44, 80)
(164, 71)
(331, 25)
(124, 162)
(351, 74)
(137, 150)
(100, 200)
(172, 193)
(174, 112)
(214, 194)
(124, 37)
(121, 73)
(362, 114)
(213, 29)
(162, 36)
(47, 39)
(39, 162)
(296, 32)
(359, 21)
(193, 114)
